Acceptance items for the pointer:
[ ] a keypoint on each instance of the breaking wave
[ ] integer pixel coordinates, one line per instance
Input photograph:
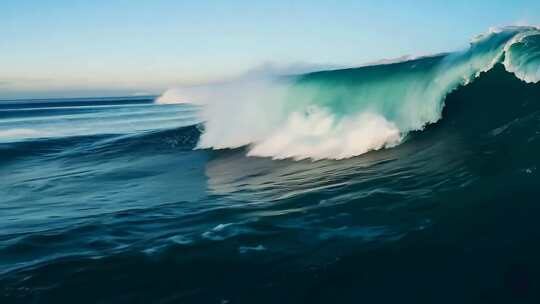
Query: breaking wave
(336, 114)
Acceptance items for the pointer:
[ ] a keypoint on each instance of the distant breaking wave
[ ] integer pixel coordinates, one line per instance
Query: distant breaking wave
(337, 114)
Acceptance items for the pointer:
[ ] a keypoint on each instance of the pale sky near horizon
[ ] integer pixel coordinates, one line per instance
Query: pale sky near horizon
(62, 48)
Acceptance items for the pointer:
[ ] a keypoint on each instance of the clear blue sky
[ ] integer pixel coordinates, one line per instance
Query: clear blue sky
(111, 47)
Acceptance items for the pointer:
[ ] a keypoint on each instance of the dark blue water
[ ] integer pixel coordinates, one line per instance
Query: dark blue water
(105, 201)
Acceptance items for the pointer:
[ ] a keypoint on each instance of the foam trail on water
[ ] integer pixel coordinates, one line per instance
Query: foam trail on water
(181, 96)
(21, 132)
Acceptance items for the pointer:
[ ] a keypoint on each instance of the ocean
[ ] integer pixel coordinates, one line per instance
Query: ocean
(404, 182)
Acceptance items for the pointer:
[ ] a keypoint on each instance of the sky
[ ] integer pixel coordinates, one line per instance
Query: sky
(67, 48)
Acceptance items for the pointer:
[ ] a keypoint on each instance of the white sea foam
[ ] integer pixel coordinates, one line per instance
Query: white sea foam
(319, 135)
